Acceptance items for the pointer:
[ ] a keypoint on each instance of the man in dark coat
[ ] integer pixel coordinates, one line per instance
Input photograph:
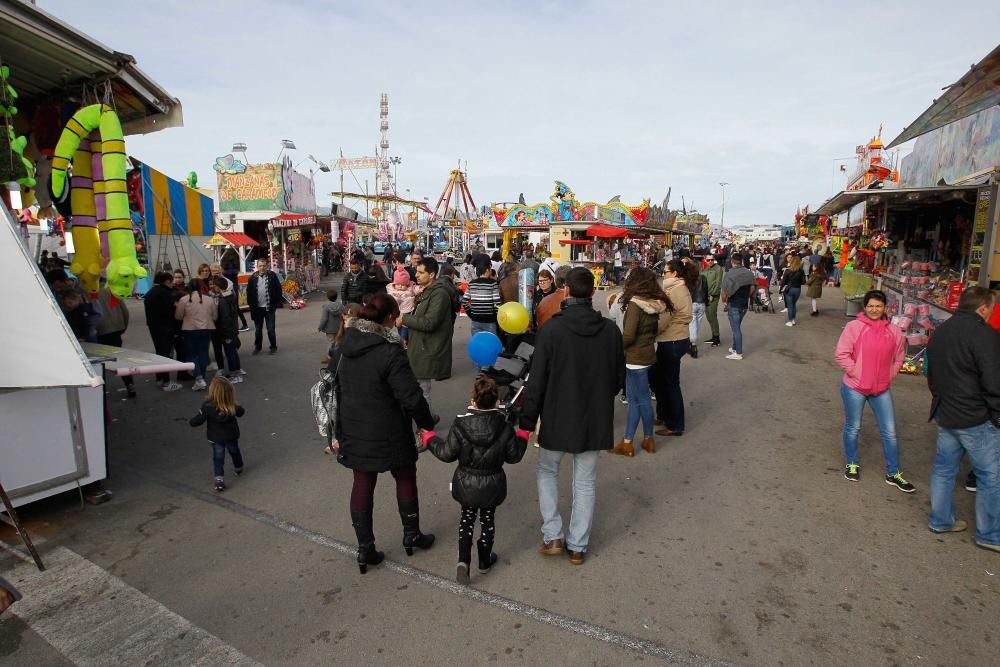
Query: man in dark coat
(159, 306)
(431, 328)
(355, 284)
(264, 298)
(963, 373)
(577, 370)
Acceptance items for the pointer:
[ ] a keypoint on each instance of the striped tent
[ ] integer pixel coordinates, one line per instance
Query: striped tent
(171, 207)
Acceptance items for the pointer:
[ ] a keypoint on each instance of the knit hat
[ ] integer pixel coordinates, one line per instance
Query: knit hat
(401, 277)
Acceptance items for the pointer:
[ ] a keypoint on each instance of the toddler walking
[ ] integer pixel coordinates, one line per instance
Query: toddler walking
(481, 441)
(220, 412)
(404, 292)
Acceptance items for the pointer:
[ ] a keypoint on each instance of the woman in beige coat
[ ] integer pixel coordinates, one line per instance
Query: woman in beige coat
(672, 343)
(197, 313)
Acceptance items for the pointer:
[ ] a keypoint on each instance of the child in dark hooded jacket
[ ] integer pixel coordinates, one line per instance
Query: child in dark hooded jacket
(220, 413)
(481, 441)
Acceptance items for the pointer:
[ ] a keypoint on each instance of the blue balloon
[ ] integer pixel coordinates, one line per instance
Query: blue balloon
(484, 348)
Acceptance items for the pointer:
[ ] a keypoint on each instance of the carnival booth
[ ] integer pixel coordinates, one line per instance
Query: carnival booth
(222, 243)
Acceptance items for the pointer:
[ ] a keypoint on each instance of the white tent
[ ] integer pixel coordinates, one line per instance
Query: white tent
(51, 398)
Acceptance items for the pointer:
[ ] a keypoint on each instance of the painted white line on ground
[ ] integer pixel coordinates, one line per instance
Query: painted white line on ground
(94, 618)
(566, 623)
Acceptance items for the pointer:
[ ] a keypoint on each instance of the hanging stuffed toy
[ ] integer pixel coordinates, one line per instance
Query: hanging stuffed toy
(108, 195)
(13, 165)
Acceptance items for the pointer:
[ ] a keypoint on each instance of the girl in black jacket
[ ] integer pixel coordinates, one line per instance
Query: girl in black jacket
(220, 412)
(481, 441)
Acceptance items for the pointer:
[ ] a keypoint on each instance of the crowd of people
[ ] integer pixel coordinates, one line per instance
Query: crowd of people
(390, 341)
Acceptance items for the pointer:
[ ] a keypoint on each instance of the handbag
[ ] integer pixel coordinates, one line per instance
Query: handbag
(323, 398)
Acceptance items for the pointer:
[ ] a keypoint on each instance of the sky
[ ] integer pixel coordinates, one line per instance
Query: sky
(612, 98)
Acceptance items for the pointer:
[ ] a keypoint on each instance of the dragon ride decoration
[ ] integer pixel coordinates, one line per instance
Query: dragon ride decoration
(566, 209)
(102, 226)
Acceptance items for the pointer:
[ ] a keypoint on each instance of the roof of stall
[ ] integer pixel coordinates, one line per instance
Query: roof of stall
(979, 89)
(49, 59)
(910, 196)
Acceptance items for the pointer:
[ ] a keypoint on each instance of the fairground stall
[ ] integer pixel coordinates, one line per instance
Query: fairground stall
(77, 100)
(239, 244)
(588, 234)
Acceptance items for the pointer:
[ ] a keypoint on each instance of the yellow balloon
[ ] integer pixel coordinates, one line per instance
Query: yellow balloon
(513, 317)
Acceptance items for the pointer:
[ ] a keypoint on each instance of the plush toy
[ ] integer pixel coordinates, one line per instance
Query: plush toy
(13, 165)
(108, 194)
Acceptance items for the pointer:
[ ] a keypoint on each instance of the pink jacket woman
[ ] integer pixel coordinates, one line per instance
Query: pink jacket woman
(871, 352)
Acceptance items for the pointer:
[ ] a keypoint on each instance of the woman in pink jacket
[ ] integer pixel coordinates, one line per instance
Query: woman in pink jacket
(871, 351)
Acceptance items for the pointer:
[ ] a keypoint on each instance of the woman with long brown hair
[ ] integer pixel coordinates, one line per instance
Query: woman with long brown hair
(643, 301)
(791, 287)
(672, 343)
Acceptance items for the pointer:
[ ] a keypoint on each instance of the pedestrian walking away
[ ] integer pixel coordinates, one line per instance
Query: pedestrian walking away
(379, 401)
(227, 328)
(197, 314)
(482, 441)
(791, 287)
(577, 370)
(963, 362)
(159, 306)
(736, 292)
(264, 298)
(482, 301)
(699, 300)
(871, 351)
(220, 413)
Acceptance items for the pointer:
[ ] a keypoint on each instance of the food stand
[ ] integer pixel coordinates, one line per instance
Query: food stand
(241, 244)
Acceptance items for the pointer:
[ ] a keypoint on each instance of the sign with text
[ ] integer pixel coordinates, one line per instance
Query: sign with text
(256, 189)
(356, 163)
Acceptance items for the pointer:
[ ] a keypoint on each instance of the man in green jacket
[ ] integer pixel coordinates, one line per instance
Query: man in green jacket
(713, 276)
(431, 328)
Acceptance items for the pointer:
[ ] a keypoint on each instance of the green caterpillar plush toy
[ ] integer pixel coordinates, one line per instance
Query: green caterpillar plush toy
(16, 167)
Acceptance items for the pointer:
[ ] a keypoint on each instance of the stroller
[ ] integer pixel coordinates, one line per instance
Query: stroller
(761, 300)
(510, 372)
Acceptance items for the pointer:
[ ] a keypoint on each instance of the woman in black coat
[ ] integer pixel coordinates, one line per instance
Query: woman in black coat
(378, 401)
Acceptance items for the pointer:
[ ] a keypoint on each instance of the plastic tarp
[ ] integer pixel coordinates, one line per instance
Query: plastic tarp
(37, 347)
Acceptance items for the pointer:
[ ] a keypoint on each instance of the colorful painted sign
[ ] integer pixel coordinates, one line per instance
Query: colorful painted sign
(957, 150)
(566, 209)
(256, 189)
(356, 163)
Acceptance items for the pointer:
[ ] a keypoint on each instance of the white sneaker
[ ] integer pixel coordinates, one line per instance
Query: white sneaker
(240, 372)
(790, 323)
(199, 384)
(732, 351)
(735, 357)
(212, 367)
(171, 386)
(236, 379)
(783, 310)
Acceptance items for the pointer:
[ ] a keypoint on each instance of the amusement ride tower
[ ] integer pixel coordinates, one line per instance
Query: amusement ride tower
(384, 174)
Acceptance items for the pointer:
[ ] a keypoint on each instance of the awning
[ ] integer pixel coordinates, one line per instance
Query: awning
(235, 239)
(294, 220)
(171, 207)
(50, 60)
(575, 242)
(913, 196)
(606, 232)
(979, 89)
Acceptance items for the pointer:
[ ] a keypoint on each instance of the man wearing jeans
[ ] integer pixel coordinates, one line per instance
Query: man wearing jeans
(264, 298)
(963, 360)
(735, 294)
(431, 328)
(577, 370)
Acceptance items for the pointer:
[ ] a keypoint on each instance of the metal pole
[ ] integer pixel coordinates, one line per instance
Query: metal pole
(20, 529)
(723, 223)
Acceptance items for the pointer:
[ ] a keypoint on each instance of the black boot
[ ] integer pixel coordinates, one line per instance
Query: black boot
(487, 558)
(367, 554)
(409, 513)
(693, 351)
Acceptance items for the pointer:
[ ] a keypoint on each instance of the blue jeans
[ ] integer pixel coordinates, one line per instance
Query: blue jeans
(982, 444)
(262, 317)
(196, 345)
(584, 496)
(640, 404)
(219, 450)
(885, 417)
(483, 326)
(232, 354)
(669, 399)
(736, 315)
(697, 313)
(792, 298)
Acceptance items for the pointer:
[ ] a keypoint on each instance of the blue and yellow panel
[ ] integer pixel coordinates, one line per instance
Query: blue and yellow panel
(173, 208)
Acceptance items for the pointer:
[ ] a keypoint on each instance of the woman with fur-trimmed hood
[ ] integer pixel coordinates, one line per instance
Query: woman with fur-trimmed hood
(379, 400)
(643, 301)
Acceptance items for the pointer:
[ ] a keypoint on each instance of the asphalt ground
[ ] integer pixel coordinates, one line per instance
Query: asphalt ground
(740, 542)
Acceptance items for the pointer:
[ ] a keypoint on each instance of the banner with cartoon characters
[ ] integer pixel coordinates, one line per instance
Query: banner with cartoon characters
(564, 208)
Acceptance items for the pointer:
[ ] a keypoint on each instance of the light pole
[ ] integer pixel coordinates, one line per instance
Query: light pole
(723, 223)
